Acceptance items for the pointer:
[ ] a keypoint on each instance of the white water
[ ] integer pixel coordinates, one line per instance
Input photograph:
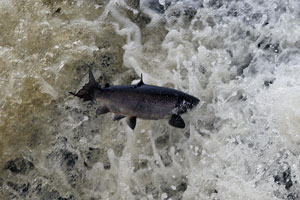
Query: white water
(241, 59)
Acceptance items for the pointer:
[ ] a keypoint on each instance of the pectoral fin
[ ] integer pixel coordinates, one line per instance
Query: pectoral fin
(131, 121)
(102, 110)
(118, 117)
(176, 121)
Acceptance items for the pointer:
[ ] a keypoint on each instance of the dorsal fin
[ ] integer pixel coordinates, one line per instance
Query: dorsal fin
(141, 81)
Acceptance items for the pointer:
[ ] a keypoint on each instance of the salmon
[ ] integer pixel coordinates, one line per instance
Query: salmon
(140, 100)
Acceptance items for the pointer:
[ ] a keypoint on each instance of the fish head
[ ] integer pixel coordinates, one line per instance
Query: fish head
(186, 103)
(193, 101)
(190, 101)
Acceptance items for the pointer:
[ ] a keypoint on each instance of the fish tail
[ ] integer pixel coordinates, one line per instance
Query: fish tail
(87, 92)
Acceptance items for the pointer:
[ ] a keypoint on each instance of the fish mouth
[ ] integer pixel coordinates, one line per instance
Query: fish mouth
(185, 104)
(195, 101)
(192, 102)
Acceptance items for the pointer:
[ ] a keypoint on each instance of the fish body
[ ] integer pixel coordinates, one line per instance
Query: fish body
(139, 101)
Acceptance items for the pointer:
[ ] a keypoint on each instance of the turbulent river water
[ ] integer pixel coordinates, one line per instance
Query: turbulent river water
(240, 58)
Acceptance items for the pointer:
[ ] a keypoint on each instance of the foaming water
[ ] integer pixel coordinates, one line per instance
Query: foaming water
(241, 59)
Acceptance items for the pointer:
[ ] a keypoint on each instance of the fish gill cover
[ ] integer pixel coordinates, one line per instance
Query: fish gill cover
(240, 58)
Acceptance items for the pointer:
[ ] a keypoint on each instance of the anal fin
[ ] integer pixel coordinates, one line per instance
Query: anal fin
(131, 121)
(102, 110)
(176, 121)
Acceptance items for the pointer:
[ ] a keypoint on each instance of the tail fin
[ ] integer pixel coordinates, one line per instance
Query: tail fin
(87, 92)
